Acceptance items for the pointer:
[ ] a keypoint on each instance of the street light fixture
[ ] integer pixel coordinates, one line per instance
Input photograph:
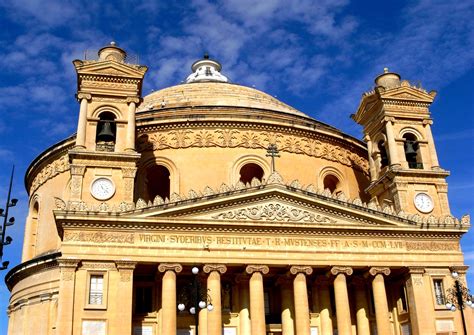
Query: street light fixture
(6, 240)
(459, 297)
(196, 298)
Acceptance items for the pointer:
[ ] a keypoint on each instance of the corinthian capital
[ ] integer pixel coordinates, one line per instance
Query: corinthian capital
(257, 268)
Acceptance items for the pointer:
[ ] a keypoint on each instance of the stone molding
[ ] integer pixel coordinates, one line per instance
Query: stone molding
(125, 268)
(97, 265)
(335, 270)
(68, 268)
(379, 270)
(163, 267)
(208, 268)
(264, 269)
(416, 270)
(250, 139)
(295, 269)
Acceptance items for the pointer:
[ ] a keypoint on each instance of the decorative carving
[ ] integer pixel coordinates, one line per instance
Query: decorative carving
(158, 201)
(357, 202)
(60, 204)
(140, 204)
(208, 191)
(326, 193)
(231, 138)
(295, 269)
(99, 237)
(295, 183)
(97, 265)
(416, 270)
(163, 267)
(466, 220)
(68, 268)
(129, 172)
(377, 270)
(86, 96)
(103, 207)
(174, 197)
(51, 170)
(208, 268)
(310, 188)
(239, 186)
(432, 246)
(341, 197)
(125, 268)
(192, 194)
(224, 188)
(255, 182)
(257, 268)
(273, 212)
(335, 270)
(275, 178)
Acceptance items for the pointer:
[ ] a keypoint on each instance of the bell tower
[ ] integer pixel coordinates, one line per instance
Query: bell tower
(103, 160)
(404, 168)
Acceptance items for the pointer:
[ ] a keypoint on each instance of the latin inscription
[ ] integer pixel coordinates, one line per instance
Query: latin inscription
(281, 242)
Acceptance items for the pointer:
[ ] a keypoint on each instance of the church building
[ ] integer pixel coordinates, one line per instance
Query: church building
(212, 208)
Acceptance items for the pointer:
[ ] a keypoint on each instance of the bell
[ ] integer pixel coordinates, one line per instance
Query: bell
(410, 149)
(106, 134)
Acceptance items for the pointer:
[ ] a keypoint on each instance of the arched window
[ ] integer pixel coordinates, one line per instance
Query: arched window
(331, 182)
(412, 151)
(383, 154)
(250, 171)
(106, 132)
(34, 218)
(158, 182)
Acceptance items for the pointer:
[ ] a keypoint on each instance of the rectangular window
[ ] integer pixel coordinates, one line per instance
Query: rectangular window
(403, 299)
(439, 291)
(96, 290)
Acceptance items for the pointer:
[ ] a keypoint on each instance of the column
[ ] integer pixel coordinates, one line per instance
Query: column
(125, 295)
(244, 309)
(362, 307)
(82, 122)
(392, 145)
(321, 285)
(130, 139)
(300, 291)
(421, 309)
(67, 268)
(214, 318)
(257, 303)
(287, 305)
(343, 312)
(168, 297)
(77, 176)
(373, 172)
(380, 300)
(431, 145)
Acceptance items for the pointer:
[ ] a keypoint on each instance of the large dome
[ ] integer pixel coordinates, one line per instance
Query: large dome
(214, 94)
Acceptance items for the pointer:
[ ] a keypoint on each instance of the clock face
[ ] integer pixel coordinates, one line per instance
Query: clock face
(423, 202)
(102, 188)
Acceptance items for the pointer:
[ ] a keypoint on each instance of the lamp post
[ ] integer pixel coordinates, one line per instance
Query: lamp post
(195, 298)
(459, 297)
(6, 240)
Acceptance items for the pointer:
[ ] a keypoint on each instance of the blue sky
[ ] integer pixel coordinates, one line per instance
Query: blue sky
(318, 56)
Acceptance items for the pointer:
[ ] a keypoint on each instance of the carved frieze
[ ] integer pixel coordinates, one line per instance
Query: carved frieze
(98, 237)
(51, 170)
(254, 139)
(273, 212)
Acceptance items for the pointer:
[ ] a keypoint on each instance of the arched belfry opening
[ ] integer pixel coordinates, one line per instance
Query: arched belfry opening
(383, 154)
(412, 151)
(106, 132)
(250, 171)
(157, 182)
(331, 182)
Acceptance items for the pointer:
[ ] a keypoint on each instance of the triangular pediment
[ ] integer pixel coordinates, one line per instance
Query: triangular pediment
(110, 68)
(275, 204)
(408, 93)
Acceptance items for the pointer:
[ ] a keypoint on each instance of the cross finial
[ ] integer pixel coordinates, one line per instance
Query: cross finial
(272, 151)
